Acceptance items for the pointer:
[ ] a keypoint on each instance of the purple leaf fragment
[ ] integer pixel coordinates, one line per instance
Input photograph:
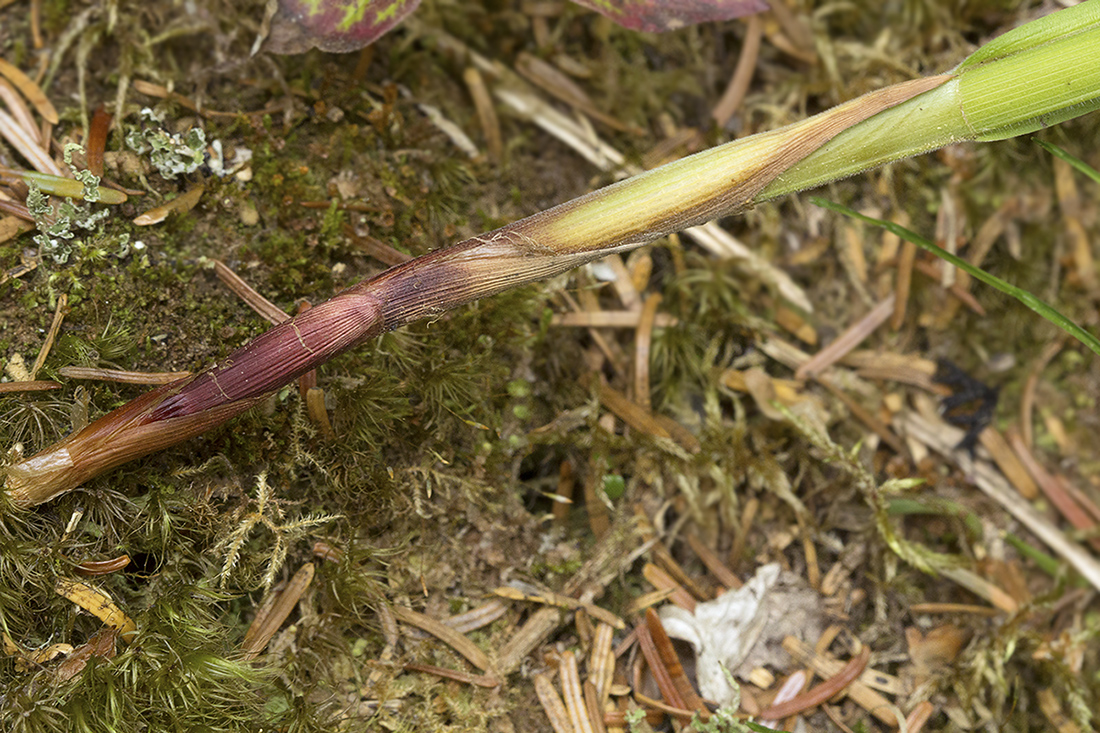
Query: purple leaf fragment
(657, 16)
(339, 26)
(336, 26)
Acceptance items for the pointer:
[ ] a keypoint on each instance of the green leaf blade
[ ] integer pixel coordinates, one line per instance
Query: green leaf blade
(1039, 306)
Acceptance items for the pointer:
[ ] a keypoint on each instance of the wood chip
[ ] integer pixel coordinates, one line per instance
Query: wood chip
(644, 601)
(272, 313)
(903, 284)
(1054, 490)
(642, 419)
(486, 112)
(480, 680)
(858, 691)
(97, 140)
(564, 493)
(671, 661)
(1006, 460)
(562, 601)
(594, 706)
(661, 580)
(274, 612)
(713, 563)
(30, 90)
(552, 705)
(851, 338)
(657, 668)
(318, 415)
(601, 662)
(530, 635)
(444, 633)
(599, 519)
(642, 340)
(742, 74)
(967, 608)
(28, 146)
(120, 376)
(179, 205)
(51, 335)
(476, 618)
(19, 110)
(40, 385)
(573, 694)
(11, 227)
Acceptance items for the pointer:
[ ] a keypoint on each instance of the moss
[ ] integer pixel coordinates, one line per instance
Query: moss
(56, 14)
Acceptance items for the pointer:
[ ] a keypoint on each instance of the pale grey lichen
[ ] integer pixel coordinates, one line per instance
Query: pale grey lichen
(173, 154)
(56, 237)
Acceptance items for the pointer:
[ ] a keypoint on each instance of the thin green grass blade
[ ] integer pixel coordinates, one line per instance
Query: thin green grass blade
(754, 726)
(1043, 309)
(1077, 163)
(1049, 564)
(938, 506)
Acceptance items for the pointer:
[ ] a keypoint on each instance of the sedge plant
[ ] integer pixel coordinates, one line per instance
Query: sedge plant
(1039, 74)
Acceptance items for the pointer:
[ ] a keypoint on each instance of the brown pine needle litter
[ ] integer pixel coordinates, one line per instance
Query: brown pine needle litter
(572, 506)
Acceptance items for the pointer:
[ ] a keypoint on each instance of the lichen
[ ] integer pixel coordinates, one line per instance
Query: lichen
(57, 222)
(172, 154)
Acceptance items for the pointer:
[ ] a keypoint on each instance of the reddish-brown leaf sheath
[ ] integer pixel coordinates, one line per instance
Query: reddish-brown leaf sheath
(278, 356)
